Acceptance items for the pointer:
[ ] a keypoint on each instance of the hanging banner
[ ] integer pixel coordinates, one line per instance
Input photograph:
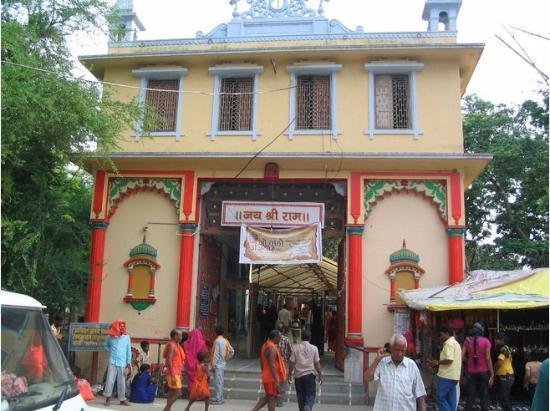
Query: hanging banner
(298, 245)
(271, 214)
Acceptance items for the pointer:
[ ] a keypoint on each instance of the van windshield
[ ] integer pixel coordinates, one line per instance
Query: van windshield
(35, 373)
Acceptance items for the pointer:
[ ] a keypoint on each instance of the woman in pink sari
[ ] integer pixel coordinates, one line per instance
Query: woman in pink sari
(193, 346)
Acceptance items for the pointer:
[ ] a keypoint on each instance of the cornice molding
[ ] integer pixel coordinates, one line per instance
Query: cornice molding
(283, 37)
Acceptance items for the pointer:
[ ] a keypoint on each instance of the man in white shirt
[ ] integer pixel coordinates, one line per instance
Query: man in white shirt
(143, 357)
(56, 327)
(400, 385)
(305, 365)
(284, 317)
(221, 352)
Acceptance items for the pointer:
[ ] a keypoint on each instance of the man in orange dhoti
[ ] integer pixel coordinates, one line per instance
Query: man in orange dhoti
(175, 358)
(273, 371)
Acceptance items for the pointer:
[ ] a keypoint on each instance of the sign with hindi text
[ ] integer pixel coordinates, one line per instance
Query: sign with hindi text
(88, 336)
(297, 245)
(271, 214)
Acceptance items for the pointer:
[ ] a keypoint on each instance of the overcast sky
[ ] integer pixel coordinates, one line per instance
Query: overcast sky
(501, 76)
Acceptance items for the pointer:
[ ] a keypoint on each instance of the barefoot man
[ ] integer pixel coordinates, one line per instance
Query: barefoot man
(273, 371)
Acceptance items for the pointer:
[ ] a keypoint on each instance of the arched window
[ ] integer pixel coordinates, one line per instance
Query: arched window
(142, 266)
(404, 273)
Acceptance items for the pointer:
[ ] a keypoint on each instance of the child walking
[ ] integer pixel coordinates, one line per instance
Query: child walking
(200, 390)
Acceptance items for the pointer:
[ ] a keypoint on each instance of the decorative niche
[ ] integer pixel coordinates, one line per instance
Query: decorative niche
(404, 272)
(142, 267)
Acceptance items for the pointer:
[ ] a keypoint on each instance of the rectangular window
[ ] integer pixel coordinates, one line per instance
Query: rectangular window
(392, 101)
(236, 100)
(313, 103)
(162, 97)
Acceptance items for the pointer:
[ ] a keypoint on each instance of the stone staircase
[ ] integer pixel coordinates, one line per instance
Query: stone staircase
(245, 384)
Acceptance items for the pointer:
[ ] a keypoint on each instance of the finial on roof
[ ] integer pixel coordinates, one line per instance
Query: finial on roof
(404, 255)
(234, 3)
(145, 228)
(320, 10)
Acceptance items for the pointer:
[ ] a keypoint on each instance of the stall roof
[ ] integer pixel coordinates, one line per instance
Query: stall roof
(298, 279)
(484, 289)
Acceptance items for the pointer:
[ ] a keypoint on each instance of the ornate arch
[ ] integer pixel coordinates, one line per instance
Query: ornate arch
(121, 188)
(433, 190)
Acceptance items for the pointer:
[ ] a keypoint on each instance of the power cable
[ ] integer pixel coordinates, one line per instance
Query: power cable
(108, 83)
(264, 147)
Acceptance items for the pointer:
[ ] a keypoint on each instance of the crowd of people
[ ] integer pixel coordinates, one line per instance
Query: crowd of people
(285, 361)
(400, 385)
(297, 319)
(129, 368)
(282, 363)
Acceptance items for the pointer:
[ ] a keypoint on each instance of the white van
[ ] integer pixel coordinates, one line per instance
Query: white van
(35, 373)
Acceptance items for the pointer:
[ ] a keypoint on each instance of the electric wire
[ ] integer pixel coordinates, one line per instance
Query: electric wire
(341, 162)
(112, 84)
(264, 147)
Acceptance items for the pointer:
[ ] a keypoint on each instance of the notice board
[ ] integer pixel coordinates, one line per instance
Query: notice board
(88, 336)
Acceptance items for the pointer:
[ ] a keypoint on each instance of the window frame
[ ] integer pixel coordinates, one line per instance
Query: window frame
(409, 68)
(328, 69)
(161, 73)
(221, 72)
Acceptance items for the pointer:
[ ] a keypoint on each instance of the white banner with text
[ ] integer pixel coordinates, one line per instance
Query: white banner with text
(297, 245)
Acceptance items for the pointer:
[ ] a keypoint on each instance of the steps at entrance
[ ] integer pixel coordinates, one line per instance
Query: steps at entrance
(247, 385)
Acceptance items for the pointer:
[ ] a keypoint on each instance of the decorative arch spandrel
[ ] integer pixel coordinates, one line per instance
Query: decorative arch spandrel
(433, 190)
(123, 187)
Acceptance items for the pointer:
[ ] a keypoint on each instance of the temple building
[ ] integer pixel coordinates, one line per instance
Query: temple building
(281, 128)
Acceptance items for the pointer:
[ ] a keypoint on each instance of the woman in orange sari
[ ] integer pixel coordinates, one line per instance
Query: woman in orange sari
(174, 357)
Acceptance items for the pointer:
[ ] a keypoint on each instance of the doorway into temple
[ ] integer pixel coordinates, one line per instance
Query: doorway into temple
(246, 298)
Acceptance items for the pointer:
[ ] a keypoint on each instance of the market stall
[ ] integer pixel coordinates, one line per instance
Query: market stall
(514, 302)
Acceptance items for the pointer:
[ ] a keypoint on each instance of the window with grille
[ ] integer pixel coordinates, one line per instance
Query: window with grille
(392, 101)
(313, 103)
(236, 100)
(162, 98)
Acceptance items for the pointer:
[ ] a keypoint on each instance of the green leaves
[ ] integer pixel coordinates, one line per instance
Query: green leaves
(507, 206)
(47, 115)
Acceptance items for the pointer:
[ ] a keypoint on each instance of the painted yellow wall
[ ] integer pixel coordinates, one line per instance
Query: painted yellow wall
(398, 217)
(438, 110)
(125, 232)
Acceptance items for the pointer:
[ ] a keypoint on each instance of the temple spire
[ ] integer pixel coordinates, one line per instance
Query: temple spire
(130, 23)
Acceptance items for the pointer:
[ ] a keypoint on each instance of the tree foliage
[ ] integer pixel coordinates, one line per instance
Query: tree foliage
(507, 206)
(47, 115)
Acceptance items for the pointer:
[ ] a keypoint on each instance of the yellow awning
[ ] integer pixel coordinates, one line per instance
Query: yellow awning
(536, 284)
(484, 289)
(489, 305)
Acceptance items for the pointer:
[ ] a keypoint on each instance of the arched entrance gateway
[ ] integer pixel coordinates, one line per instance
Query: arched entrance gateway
(244, 297)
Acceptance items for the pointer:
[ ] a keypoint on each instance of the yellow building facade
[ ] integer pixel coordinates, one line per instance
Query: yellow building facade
(281, 106)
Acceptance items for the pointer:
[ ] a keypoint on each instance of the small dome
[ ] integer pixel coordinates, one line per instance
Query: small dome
(404, 255)
(144, 249)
